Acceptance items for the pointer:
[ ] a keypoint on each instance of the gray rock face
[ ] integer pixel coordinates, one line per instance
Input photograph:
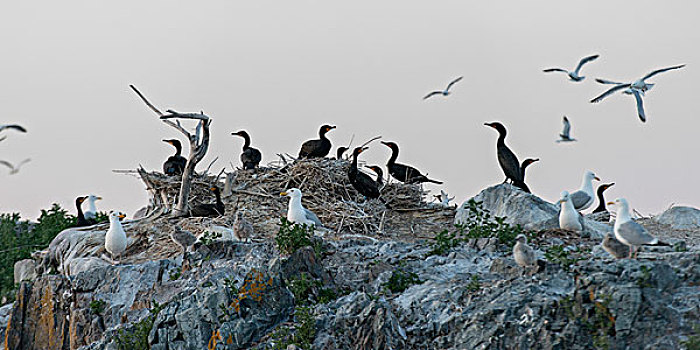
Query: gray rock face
(681, 218)
(25, 270)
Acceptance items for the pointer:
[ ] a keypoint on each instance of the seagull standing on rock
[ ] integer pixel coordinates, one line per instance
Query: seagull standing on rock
(568, 216)
(445, 92)
(584, 197)
(629, 232)
(574, 76)
(115, 239)
(296, 213)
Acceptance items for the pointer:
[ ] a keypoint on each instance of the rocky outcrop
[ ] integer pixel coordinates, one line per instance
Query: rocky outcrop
(680, 218)
(25, 270)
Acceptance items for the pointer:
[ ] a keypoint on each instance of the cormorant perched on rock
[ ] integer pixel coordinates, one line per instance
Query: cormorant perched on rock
(250, 157)
(527, 163)
(210, 209)
(380, 174)
(175, 164)
(296, 213)
(317, 148)
(339, 152)
(601, 200)
(404, 173)
(82, 221)
(115, 239)
(362, 182)
(507, 159)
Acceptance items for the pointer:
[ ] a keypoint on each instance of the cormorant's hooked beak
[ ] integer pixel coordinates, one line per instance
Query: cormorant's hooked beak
(362, 149)
(168, 141)
(213, 189)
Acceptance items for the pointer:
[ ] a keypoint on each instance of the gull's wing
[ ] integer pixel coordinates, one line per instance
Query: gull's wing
(584, 61)
(432, 94)
(579, 198)
(640, 105)
(7, 164)
(555, 70)
(452, 83)
(635, 233)
(604, 81)
(3, 138)
(13, 126)
(567, 127)
(23, 162)
(609, 92)
(661, 71)
(311, 216)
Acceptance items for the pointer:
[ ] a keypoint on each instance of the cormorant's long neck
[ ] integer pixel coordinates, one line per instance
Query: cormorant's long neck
(501, 137)
(601, 200)
(353, 166)
(81, 216)
(380, 177)
(394, 155)
(178, 149)
(246, 144)
(218, 198)
(322, 135)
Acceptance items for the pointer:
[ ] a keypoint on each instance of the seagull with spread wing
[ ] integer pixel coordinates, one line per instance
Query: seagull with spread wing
(574, 76)
(444, 92)
(636, 88)
(14, 169)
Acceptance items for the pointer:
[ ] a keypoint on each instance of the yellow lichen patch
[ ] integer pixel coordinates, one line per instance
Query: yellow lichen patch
(229, 340)
(215, 336)
(254, 286)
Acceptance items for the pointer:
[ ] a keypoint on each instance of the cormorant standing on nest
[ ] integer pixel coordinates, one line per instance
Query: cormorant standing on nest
(250, 157)
(507, 159)
(601, 200)
(339, 152)
(362, 182)
(317, 148)
(380, 174)
(210, 209)
(82, 221)
(404, 173)
(175, 164)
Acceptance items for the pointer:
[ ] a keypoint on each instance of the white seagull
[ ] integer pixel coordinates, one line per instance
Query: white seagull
(574, 75)
(636, 88)
(629, 232)
(584, 197)
(444, 92)
(296, 213)
(564, 136)
(92, 209)
(568, 216)
(14, 169)
(115, 239)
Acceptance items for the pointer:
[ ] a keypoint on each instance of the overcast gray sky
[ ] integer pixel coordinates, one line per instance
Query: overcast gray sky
(281, 69)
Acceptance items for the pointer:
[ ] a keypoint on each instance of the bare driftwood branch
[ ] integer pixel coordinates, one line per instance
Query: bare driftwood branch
(370, 140)
(206, 171)
(152, 107)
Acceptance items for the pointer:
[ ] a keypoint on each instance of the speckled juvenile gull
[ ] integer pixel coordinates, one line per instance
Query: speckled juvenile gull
(523, 254)
(185, 239)
(615, 247)
(242, 229)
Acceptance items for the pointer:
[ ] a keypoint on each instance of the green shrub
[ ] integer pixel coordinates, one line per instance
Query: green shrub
(400, 280)
(301, 334)
(97, 306)
(18, 239)
(136, 338)
(474, 284)
(559, 255)
(291, 236)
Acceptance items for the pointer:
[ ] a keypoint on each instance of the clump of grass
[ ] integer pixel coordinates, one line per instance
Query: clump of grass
(208, 237)
(302, 333)
(97, 306)
(474, 284)
(559, 255)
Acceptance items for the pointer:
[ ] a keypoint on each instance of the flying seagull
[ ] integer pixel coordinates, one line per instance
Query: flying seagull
(14, 169)
(574, 75)
(445, 92)
(636, 88)
(564, 136)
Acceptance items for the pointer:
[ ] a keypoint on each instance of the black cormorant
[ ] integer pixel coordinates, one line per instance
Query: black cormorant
(82, 221)
(362, 182)
(404, 173)
(507, 159)
(339, 152)
(601, 201)
(527, 163)
(380, 174)
(250, 157)
(210, 209)
(317, 148)
(175, 164)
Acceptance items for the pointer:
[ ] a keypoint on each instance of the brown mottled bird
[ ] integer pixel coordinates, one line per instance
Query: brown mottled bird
(242, 229)
(616, 248)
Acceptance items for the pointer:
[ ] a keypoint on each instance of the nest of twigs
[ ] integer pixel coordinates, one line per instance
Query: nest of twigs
(401, 208)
